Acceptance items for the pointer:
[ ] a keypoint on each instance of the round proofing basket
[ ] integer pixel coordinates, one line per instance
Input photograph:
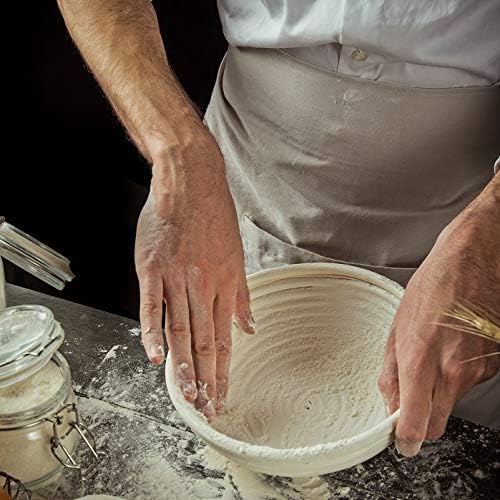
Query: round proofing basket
(379, 298)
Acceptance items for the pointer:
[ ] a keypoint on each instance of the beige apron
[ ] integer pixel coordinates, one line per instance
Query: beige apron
(324, 167)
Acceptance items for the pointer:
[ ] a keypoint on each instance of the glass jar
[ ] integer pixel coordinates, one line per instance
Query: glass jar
(32, 256)
(39, 422)
(3, 300)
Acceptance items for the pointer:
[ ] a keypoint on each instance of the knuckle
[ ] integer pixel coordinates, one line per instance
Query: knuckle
(197, 276)
(178, 329)
(148, 266)
(223, 347)
(411, 435)
(204, 345)
(150, 307)
(452, 373)
(149, 332)
(435, 433)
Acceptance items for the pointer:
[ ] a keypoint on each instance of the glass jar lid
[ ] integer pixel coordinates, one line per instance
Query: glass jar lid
(33, 256)
(29, 336)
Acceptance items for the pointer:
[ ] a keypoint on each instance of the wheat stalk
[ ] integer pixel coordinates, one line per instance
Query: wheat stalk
(474, 320)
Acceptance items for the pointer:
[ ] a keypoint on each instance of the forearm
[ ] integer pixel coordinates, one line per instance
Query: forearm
(121, 43)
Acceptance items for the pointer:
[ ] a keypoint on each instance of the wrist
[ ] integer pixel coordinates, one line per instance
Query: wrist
(186, 157)
(476, 226)
(171, 134)
(483, 211)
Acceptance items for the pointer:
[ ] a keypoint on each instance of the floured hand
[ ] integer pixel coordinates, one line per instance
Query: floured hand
(189, 255)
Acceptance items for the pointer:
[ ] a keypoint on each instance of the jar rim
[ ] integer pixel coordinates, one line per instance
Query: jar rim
(32, 416)
(29, 336)
(33, 256)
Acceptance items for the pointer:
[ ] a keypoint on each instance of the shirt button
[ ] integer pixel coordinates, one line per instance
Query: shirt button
(358, 55)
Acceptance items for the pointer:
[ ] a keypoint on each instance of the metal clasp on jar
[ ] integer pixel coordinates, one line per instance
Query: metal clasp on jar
(61, 452)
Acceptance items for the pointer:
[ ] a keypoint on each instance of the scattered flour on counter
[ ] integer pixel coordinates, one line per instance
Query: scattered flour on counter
(240, 482)
(136, 332)
(144, 459)
(343, 491)
(112, 352)
(128, 388)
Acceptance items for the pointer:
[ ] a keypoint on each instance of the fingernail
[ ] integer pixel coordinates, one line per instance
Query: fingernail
(247, 325)
(407, 449)
(189, 389)
(209, 409)
(251, 326)
(156, 353)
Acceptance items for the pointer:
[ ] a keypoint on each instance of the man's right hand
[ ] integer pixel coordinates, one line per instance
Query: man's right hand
(189, 255)
(188, 248)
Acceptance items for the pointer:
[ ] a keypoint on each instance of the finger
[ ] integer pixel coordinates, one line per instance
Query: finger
(203, 344)
(442, 405)
(178, 330)
(388, 381)
(416, 382)
(243, 314)
(151, 311)
(223, 308)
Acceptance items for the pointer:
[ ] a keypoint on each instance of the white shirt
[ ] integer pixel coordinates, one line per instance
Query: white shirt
(421, 43)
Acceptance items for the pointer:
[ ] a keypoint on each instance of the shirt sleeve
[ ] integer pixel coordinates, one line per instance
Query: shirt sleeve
(496, 168)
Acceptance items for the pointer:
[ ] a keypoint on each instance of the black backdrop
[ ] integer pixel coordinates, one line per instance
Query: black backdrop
(69, 176)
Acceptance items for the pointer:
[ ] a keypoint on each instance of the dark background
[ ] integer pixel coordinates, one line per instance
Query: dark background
(73, 179)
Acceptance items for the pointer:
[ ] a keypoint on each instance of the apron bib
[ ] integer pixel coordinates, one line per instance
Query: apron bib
(325, 167)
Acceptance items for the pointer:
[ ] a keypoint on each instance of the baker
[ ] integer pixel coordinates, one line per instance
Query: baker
(358, 132)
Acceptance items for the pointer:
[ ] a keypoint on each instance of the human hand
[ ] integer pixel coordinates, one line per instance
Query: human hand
(424, 372)
(189, 255)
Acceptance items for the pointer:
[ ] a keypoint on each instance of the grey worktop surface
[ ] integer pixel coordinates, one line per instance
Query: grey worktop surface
(150, 453)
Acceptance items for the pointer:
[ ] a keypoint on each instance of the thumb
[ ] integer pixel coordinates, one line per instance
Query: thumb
(242, 314)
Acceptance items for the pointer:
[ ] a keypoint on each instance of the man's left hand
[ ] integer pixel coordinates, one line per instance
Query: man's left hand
(424, 371)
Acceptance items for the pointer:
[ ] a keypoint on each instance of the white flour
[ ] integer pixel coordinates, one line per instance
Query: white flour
(34, 391)
(111, 353)
(309, 376)
(135, 332)
(253, 486)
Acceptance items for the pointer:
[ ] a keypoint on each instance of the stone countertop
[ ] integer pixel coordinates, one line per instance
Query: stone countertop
(151, 454)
